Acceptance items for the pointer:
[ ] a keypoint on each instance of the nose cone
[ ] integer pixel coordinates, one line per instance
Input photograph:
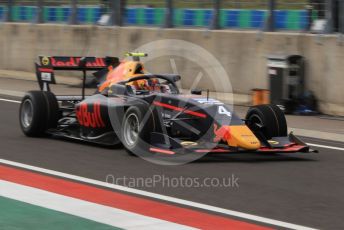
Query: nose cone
(241, 136)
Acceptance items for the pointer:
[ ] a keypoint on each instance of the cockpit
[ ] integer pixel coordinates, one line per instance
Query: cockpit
(151, 85)
(146, 84)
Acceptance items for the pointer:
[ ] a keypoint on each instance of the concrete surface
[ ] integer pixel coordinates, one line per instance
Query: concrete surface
(241, 53)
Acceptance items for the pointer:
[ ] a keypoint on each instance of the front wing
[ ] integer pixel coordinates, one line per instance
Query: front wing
(288, 144)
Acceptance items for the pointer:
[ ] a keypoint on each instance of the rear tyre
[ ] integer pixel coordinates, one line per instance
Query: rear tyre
(52, 110)
(135, 131)
(38, 112)
(270, 118)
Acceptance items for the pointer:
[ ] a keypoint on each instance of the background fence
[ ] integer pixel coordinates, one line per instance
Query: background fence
(298, 15)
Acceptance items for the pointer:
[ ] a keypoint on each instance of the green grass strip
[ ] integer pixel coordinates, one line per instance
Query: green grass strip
(23, 216)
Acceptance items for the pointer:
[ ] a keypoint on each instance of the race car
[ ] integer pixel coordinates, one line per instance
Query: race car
(147, 114)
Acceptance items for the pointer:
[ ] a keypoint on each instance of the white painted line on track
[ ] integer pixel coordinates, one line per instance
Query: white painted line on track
(7, 100)
(325, 146)
(159, 196)
(12, 93)
(318, 134)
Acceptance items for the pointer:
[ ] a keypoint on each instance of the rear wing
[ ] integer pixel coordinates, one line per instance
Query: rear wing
(47, 65)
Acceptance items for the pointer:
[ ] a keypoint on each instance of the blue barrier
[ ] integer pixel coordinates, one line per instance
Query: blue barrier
(188, 17)
(131, 16)
(230, 18)
(281, 19)
(208, 15)
(149, 16)
(258, 19)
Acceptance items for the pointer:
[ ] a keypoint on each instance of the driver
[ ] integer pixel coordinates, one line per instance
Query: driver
(153, 84)
(139, 84)
(146, 84)
(149, 85)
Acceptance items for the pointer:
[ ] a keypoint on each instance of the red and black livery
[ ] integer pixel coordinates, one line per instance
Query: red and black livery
(147, 113)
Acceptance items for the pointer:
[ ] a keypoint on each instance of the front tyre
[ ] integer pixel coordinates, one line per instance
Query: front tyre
(269, 118)
(135, 130)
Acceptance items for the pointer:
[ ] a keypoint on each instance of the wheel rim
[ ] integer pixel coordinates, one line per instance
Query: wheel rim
(256, 120)
(26, 113)
(131, 129)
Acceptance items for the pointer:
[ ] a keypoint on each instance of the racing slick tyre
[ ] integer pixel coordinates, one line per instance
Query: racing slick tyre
(134, 131)
(270, 118)
(38, 112)
(52, 111)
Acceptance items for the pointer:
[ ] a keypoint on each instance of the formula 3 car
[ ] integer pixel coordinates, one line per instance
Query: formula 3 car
(147, 113)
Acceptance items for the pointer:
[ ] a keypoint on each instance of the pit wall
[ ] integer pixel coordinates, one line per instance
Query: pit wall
(242, 53)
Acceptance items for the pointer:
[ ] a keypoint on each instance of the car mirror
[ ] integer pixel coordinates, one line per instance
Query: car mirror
(117, 89)
(196, 91)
